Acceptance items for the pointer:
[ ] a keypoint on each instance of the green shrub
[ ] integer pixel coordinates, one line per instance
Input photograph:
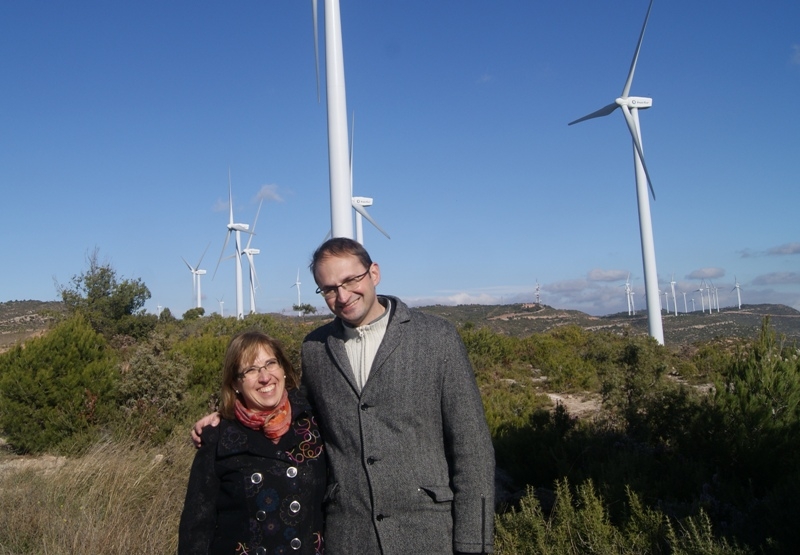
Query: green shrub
(57, 388)
(581, 524)
(152, 389)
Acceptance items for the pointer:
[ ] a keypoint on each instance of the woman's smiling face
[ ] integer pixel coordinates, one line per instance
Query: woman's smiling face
(262, 382)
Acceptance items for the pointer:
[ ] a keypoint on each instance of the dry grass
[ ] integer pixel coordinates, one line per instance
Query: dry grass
(117, 499)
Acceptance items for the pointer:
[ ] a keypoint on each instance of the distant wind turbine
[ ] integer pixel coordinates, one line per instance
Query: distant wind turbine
(236, 230)
(685, 307)
(674, 300)
(297, 284)
(630, 109)
(628, 294)
(221, 302)
(738, 292)
(196, 273)
(702, 299)
(250, 253)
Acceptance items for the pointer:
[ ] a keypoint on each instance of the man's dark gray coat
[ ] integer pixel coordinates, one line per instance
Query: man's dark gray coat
(411, 459)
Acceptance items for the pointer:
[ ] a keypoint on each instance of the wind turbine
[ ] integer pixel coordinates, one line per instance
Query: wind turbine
(341, 220)
(297, 284)
(738, 292)
(674, 300)
(196, 273)
(628, 293)
(709, 289)
(630, 109)
(250, 253)
(360, 203)
(236, 229)
(221, 302)
(685, 307)
(702, 299)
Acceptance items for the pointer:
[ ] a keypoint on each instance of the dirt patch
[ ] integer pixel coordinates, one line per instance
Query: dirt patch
(579, 406)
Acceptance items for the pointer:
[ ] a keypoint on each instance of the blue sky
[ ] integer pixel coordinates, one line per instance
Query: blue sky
(120, 121)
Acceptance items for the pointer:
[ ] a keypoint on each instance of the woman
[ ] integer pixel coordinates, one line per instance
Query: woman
(257, 483)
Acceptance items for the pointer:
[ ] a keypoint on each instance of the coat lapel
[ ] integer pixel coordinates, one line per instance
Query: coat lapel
(338, 355)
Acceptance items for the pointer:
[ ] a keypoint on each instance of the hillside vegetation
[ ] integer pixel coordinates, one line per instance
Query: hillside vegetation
(692, 449)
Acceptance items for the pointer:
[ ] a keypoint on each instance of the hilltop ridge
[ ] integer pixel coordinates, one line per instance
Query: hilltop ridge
(22, 319)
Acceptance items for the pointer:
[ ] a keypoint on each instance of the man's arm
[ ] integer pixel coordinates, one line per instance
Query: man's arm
(199, 516)
(197, 431)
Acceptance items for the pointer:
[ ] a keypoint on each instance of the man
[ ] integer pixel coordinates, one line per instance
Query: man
(411, 460)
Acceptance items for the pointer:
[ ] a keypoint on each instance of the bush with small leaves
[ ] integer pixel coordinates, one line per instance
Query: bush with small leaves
(57, 388)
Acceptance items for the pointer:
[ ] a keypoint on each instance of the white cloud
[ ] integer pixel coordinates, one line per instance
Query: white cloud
(269, 193)
(599, 274)
(706, 273)
(777, 278)
(788, 248)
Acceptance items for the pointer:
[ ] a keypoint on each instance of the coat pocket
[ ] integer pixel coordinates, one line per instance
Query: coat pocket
(439, 494)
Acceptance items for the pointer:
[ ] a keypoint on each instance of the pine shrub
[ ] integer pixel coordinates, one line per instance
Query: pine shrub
(57, 388)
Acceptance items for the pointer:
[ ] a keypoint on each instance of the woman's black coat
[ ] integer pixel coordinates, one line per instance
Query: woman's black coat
(249, 495)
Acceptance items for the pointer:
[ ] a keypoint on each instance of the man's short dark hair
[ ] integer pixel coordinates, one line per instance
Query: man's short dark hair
(339, 246)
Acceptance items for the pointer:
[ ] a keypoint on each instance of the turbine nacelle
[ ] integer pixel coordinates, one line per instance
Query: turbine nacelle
(239, 227)
(200, 272)
(638, 102)
(362, 201)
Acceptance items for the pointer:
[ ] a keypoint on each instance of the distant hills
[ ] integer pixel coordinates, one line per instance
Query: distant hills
(526, 319)
(23, 319)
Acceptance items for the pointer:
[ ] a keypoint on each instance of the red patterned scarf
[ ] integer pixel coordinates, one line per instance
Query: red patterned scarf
(274, 423)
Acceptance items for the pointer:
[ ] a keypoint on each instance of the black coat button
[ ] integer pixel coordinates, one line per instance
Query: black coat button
(371, 460)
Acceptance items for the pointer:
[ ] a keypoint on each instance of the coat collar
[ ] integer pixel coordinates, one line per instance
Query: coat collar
(399, 315)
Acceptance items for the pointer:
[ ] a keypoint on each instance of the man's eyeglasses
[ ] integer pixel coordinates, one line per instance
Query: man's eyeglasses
(329, 291)
(253, 372)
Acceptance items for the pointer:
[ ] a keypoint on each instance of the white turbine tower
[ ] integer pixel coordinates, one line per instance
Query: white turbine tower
(221, 302)
(685, 306)
(196, 273)
(738, 289)
(297, 284)
(250, 253)
(630, 108)
(236, 229)
(341, 220)
(674, 299)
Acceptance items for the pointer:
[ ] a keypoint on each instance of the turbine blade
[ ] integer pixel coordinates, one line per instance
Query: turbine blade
(203, 255)
(360, 209)
(637, 143)
(188, 265)
(227, 238)
(604, 111)
(316, 43)
(628, 83)
(253, 229)
(230, 196)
